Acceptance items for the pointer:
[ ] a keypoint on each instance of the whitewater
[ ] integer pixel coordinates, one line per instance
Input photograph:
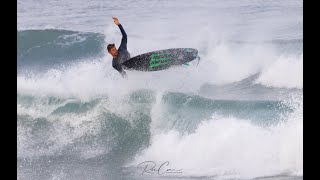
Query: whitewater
(238, 114)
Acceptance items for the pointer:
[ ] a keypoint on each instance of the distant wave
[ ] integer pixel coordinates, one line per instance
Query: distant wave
(54, 46)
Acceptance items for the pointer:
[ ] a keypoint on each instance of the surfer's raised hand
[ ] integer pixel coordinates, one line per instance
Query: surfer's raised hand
(116, 21)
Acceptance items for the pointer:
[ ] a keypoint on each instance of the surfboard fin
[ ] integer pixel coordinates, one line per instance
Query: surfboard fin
(198, 60)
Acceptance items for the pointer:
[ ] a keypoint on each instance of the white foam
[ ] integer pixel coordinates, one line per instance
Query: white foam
(208, 29)
(286, 72)
(230, 147)
(220, 65)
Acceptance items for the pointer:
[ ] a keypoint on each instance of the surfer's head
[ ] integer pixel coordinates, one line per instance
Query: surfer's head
(112, 50)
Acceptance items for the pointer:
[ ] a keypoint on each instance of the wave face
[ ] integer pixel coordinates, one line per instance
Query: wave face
(47, 48)
(192, 132)
(238, 114)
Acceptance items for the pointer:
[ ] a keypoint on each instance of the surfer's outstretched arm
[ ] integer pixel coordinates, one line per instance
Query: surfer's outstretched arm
(124, 34)
(124, 38)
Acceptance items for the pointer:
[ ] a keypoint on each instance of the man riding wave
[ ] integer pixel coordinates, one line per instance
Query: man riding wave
(121, 54)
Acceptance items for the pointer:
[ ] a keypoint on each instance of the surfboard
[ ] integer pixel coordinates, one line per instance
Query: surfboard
(161, 59)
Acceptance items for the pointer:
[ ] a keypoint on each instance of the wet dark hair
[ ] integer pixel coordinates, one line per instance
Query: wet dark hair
(110, 46)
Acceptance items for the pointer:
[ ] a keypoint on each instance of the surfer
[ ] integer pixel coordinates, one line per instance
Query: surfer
(121, 54)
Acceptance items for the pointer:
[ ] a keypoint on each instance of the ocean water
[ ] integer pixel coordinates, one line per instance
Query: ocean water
(238, 114)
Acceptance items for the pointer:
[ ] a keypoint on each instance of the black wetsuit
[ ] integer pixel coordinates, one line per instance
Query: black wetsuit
(123, 53)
